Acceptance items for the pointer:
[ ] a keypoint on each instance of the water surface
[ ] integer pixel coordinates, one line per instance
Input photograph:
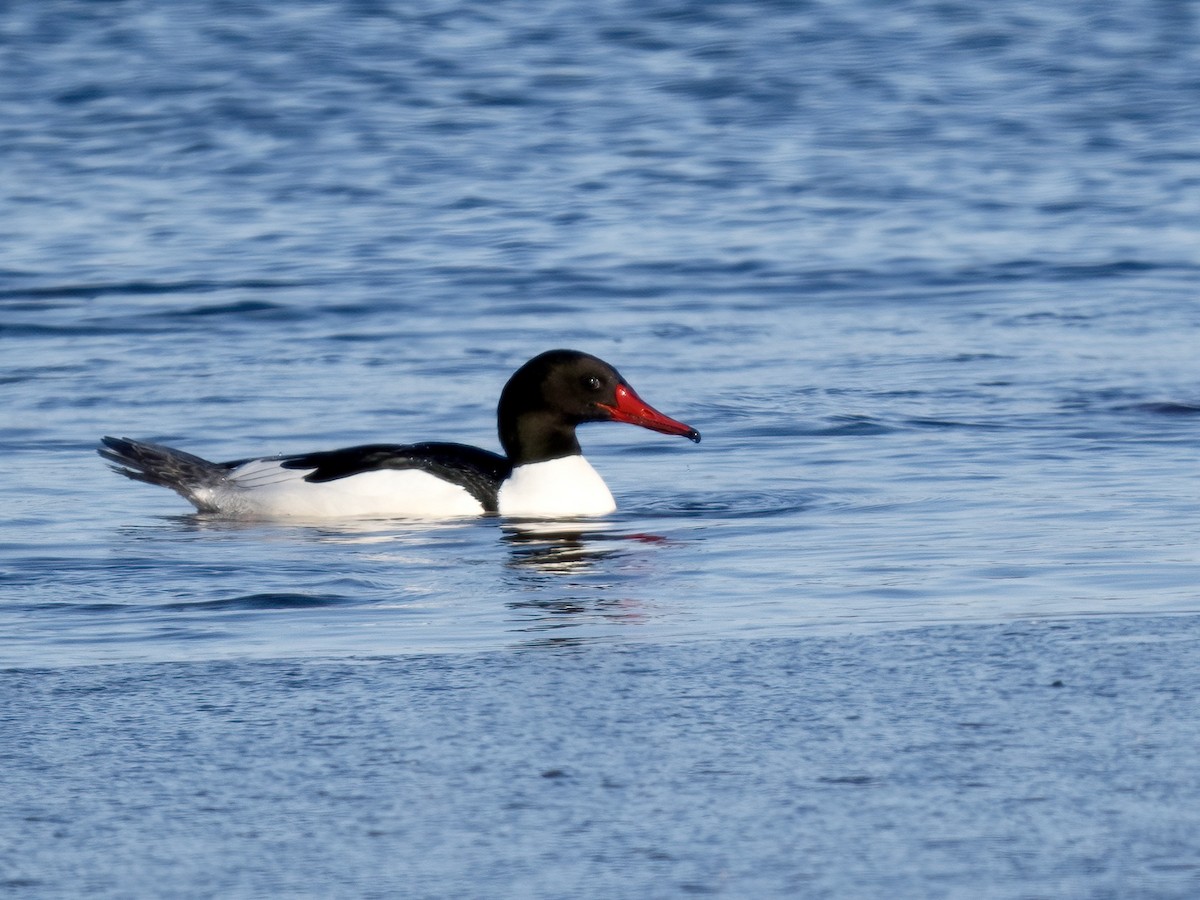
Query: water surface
(924, 276)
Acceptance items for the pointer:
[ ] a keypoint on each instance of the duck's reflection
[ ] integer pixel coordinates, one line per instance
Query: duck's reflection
(586, 617)
(556, 552)
(566, 548)
(573, 574)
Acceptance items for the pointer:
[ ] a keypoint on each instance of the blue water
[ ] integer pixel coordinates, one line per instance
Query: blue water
(925, 277)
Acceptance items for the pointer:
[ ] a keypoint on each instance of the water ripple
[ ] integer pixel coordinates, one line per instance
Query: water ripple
(733, 505)
(261, 601)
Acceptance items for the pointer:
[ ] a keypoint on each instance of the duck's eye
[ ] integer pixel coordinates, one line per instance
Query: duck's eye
(591, 382)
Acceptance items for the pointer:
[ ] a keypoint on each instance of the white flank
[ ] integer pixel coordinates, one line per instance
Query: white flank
(262, 488)
(557, 488)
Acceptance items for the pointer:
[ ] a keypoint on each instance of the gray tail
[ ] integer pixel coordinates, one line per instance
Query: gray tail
(165, 466)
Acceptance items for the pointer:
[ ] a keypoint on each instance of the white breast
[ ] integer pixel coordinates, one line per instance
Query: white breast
(557, 488)
(264, 488)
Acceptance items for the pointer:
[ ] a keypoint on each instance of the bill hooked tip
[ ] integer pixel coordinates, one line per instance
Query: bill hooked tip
(631, 408)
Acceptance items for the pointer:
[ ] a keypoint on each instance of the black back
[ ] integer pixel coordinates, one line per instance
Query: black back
(477, 471)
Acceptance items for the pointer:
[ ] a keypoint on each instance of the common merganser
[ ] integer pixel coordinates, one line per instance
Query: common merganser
(542, 475)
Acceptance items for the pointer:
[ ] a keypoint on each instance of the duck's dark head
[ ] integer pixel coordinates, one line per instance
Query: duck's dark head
(551, 394)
